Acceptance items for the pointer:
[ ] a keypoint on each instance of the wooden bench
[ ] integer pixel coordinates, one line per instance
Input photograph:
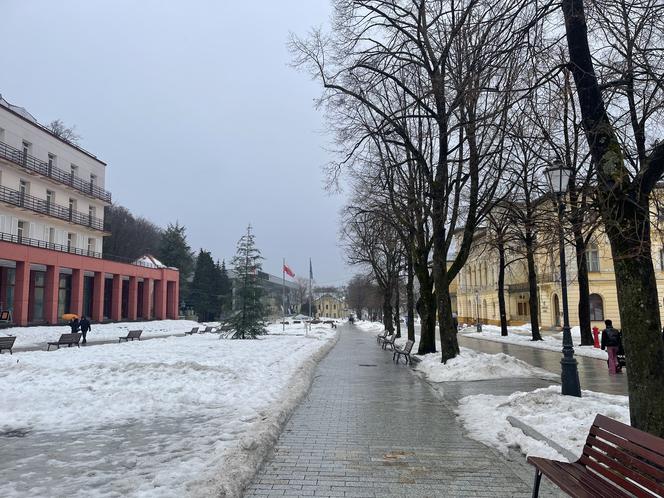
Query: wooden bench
(192, 331)
(405, 352)
(66, 339)
(331, 322)
(389, 342)
(133, 334)
(617, 460)
(207, 330)
(7, 343)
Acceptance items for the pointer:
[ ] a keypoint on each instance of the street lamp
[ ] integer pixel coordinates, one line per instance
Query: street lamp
(558, 176)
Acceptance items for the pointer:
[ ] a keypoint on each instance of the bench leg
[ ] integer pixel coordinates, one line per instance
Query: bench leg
(536, 484)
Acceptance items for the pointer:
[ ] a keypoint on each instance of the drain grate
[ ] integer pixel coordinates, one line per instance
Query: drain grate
(367, 365)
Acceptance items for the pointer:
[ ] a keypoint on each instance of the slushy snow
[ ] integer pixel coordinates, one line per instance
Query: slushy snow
(565, 420)
(176, 416)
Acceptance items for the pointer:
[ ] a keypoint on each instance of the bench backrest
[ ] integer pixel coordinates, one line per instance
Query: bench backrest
(409, 346)
(7, 342)
(67, 338)
(194, 330)
(391, 338)
(207, 329)
(384, 334)
(635, 459)
(134, 334)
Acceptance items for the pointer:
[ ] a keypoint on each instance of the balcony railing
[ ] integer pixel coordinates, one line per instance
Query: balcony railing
(42, 244)
(41, 206)
(31, 163)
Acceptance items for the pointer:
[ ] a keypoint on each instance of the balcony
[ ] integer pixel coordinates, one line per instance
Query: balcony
(41, 206)
(31, 163)
(42, 244)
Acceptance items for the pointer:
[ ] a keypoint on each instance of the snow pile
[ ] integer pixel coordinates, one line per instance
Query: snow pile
(565, 420)
(367, 326)
(473, 365)
(168, 417)
(40, 335)
(521, 336)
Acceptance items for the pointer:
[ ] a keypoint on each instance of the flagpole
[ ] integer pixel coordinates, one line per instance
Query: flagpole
(283, 295)
(311, 296)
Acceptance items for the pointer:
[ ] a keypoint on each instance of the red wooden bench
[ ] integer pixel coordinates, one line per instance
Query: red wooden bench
(617, 461)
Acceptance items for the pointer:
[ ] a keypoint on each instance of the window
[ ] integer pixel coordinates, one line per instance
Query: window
(50, 199)
(74, 170)
(51, 235)
(2, 135)
(24, 188)
(661, 258)
(334, 306)
(592, 254)
(22, 230)
(71, 241)
(26, 150)
(72, 205)
(91, 245)
(51, 162)
(596, 308)
(327, 306)
(93, 179)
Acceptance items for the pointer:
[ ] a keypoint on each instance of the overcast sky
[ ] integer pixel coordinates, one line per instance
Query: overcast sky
(193, 106)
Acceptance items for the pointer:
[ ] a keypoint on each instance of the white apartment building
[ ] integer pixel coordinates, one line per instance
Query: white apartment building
(51, 191)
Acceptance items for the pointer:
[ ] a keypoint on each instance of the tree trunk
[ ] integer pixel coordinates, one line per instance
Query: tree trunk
(426, 307)
(387, 310)
(449, 345)
(625, 212)
(410, 300)
(584, 287)
(501, 289)
(397, 308)
(533, 302)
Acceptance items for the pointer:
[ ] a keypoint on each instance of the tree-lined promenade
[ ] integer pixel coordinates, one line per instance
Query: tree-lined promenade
(445, 115)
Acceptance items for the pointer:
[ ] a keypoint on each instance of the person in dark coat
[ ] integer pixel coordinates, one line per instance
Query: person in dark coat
(611, 342)
(74, 324)
(85, 328)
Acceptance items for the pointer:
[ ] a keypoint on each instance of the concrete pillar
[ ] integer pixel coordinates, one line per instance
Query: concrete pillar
(146, 297)
(77, 292)
(160, 299)
(3, 289)
(22, 293)
(116, 299)
(133, 298)
(98, 297)
(51, 294)
(172, 302)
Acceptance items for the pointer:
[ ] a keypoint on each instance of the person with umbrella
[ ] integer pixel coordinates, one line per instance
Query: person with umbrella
(85, 328)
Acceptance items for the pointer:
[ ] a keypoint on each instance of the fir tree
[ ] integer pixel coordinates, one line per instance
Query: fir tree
(174, 251)
(224, 289)
(204, 292)
(248, 321)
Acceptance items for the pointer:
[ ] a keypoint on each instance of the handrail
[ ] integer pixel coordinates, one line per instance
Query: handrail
(42, 244)
(38, 166)
(48, 208)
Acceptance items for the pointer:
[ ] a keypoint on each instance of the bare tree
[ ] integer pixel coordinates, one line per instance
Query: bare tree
(66, 133)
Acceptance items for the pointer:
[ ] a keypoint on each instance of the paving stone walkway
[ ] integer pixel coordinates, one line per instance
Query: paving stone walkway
(370, 428)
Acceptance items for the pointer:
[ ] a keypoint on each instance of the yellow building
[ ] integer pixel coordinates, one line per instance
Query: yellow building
(477, 283)
(328, 306)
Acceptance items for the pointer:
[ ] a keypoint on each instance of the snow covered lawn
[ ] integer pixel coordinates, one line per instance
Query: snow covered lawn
(521, 336)
(176, 416)
(565, 420)
(473, 365)
(38, 336)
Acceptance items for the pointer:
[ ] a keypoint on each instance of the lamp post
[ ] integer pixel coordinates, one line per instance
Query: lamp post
(558, 176)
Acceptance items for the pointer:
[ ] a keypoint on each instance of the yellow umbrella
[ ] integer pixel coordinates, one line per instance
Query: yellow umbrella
(69, 316)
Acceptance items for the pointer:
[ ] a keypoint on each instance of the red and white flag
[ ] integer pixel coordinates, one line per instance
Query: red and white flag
(288, 271)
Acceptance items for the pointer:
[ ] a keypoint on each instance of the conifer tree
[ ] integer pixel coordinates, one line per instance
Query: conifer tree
(224, 288)
(204, 291)
(248, 322)
(174, 251)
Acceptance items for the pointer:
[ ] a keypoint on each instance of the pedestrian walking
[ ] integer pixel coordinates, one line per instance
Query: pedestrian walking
(611, 342)
(455, 322)
(74, 324)
(85, 328)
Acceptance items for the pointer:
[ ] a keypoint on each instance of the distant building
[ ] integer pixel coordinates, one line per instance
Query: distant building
(274, 292)
(52, 199)
(329, 306)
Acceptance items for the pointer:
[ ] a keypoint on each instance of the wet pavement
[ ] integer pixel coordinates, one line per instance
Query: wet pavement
(371, 428)
(593, 373)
